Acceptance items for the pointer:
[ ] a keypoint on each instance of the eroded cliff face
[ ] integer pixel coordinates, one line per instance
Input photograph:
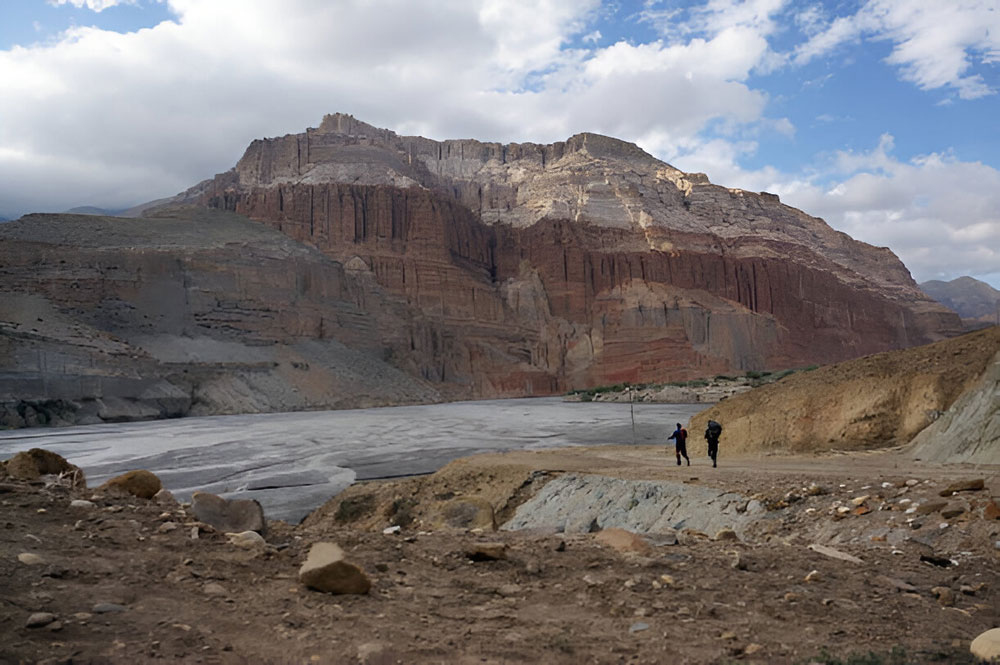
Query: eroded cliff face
(543, 268)
(190, 313)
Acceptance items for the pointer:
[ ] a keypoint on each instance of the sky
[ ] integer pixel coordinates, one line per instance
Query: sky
(880, 116)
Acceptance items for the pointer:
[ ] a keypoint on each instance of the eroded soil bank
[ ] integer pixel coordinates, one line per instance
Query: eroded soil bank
(763, 597)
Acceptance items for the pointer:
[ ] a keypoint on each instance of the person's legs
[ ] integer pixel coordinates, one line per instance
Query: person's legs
(677, 451)
(713, 451)
(682, 450)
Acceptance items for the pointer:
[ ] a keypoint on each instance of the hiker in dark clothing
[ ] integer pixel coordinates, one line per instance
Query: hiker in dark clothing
(680, 436)
(712, 435)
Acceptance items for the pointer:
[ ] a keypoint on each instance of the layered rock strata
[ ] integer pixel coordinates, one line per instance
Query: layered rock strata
(580, 263)
(195, 312)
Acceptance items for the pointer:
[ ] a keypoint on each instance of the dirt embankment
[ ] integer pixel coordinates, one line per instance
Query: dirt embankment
(871, 402)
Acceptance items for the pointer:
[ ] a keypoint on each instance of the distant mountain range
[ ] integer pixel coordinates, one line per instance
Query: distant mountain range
(976, 302)
(92, 210)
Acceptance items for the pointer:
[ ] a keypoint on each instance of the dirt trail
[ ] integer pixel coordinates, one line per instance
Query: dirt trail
(554, 598)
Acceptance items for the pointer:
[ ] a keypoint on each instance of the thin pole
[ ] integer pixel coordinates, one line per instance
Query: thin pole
(631, 411)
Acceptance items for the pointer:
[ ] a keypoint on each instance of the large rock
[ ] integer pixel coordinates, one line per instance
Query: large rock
(987, 645)
(37, 462)
(326, 569)
(228, 516)
(466, 512)
(141, 483)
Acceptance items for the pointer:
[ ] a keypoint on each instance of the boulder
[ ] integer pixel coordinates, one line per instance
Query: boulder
(141, 483)
(165, 498)
(228, 516)
(992, 511)
(467, 512)
(623, 541)
(931, 507)
(987, 645)
(726, 534)
(38, 462)
(326, 569)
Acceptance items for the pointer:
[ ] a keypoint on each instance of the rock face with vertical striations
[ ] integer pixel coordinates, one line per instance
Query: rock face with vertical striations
(550, 267)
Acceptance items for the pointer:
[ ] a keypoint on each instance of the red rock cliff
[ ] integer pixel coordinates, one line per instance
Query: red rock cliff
(541, 268)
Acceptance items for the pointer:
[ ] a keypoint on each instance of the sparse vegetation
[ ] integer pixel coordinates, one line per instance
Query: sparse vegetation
(897, 656)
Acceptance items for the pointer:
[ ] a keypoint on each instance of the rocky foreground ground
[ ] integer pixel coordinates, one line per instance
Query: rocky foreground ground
(827, 557)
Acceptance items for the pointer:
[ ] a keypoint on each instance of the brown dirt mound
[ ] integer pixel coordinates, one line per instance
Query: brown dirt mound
(871, 402)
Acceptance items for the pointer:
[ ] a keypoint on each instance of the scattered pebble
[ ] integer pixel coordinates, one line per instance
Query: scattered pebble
(638, 627)
(812, 576)
(30, 559)
(81, 503)
(107, 608)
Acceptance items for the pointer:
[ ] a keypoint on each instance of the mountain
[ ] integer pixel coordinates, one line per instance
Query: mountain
(976, 302)
(383, 269)
(579, 263)
(92, 210)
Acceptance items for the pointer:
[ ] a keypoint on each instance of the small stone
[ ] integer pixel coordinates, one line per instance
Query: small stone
(812, 576)
(858, 500)
(931, 507)
(388, 531)
(963, 486)
(41, 511)
(30, 559)
(326, 569)
(726, 534)
(167, 527)
(509, 590)
(738, 562)
(752, 648)
(246, 539)
(623, 541)
(728, 635)
(912, 482)
(82, 617)
(952, 511)
(214, 589)
(194, 533)
(667, 580)
(487, 552)
(816, 490)
(106, 608)
(39, 619)
(861, 510)
(987, 645)
(945, 596)
(792, 597)
(81, 503)
(165, 498)
(843, 510)
(140, 483)
(834, 554)
(638, 627)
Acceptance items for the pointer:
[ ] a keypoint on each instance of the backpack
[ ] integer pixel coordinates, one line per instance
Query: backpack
(684, 434)
(714, 428)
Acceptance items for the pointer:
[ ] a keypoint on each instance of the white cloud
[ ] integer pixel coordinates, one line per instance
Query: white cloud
(95, 5)
(96, 107)
(934, 44)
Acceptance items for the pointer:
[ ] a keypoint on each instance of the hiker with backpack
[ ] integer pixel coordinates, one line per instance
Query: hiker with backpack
(712, 434)
(680, 436)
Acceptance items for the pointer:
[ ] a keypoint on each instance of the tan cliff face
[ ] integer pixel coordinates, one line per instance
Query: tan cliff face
(588, 261)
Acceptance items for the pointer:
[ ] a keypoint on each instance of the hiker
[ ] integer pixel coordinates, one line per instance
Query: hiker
(680, 436)
(712, 436)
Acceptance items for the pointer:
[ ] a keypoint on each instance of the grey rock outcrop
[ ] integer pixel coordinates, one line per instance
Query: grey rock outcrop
(969, 431)
(583, 503)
